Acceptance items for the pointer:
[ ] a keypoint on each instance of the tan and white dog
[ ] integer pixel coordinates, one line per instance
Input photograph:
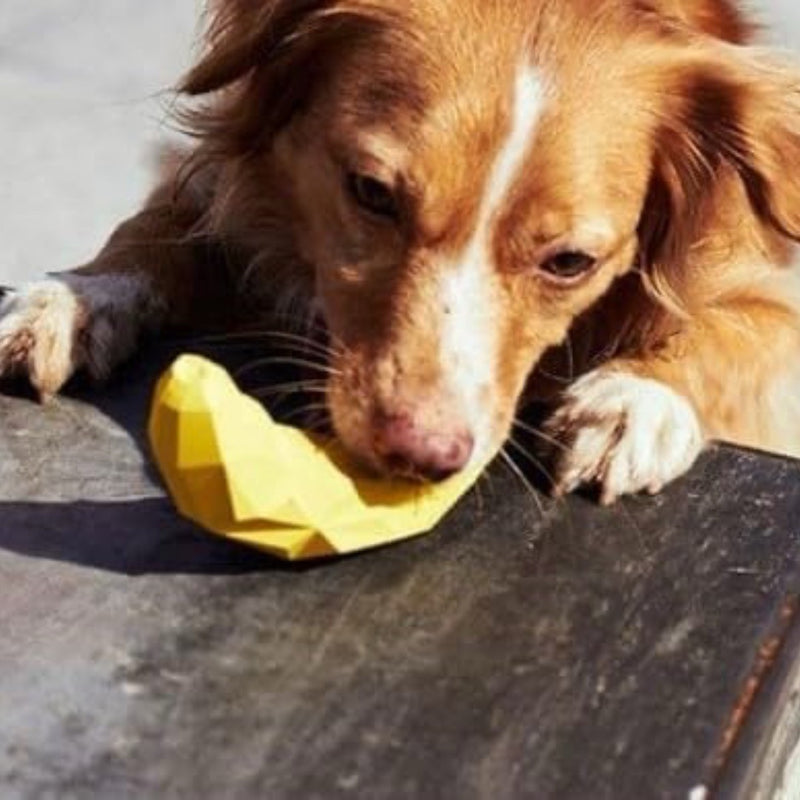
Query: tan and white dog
(474, 193)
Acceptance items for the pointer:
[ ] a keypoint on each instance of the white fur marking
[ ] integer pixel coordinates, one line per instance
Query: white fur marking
(469, 345)
(628, 433)
(527, 110)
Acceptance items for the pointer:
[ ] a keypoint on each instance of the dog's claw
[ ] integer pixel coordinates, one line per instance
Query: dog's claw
(608, 498)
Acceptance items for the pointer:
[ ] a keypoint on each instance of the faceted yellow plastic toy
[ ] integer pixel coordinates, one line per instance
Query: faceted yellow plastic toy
(236, 472)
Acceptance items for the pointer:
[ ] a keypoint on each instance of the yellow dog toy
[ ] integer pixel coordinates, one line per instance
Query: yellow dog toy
(233, 470)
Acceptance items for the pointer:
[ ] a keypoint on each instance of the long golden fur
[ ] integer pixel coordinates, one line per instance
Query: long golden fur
(645, 235)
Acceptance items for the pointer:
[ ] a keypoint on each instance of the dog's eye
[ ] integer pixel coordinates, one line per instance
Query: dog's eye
(372, 195)
(569, 264)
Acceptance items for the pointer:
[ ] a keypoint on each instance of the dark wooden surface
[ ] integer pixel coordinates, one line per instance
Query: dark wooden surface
(527, 648)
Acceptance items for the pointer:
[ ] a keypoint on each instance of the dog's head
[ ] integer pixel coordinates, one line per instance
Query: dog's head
(468, 178)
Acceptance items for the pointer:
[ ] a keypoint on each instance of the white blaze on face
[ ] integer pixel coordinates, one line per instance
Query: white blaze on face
(469, 341)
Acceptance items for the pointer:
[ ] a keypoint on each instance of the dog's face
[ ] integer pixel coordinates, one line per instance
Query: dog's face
(467, 179)
(460, 216)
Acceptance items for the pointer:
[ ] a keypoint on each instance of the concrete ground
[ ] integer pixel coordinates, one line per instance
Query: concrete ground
(518, 652)
(84, 100)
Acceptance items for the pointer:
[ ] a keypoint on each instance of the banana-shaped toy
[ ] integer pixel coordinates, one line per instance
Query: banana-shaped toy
(236, 472)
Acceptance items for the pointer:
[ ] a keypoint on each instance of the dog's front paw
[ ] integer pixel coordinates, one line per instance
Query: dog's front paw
(39, 329)
(624, 433)
(52, 328)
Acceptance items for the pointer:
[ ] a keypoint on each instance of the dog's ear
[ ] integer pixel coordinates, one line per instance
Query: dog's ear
(722, 20)
(765, 145)
(728, 111)
(244, 35)
(268, 55)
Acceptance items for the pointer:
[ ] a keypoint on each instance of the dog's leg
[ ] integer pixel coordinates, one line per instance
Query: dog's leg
(636, 424)
(91, 318)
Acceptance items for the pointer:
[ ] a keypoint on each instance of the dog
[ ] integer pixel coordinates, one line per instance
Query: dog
(593, 203)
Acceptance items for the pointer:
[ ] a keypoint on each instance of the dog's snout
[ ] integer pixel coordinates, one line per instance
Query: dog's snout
(408, 446)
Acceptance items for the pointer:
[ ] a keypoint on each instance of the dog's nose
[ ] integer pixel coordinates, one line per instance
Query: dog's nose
(408, 447)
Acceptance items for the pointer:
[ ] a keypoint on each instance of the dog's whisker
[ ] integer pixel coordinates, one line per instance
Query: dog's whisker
(301, 387)
(279, 347)
(318, 425)
(539, 434)
(306, 409)
(302, 349)
(287, 361)
(512, 465)
(284, 338)
(303, 341)
(308, 322)
(562, 379)
(487, 477)
(531, 458)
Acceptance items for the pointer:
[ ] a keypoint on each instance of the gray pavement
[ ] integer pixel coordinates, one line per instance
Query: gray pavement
(84, 90)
